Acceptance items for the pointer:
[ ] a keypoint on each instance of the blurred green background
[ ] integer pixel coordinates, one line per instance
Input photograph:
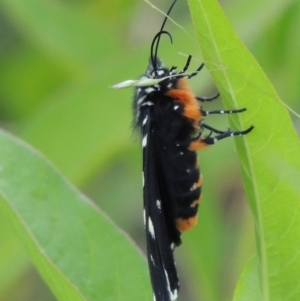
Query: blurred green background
(57, 61)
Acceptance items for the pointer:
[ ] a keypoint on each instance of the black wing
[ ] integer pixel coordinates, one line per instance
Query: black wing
(161, 233)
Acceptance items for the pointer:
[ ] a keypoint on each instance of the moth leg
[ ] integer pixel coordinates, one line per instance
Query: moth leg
(229, 133)
(208, 127)
(196, 72)
(173, 68)
(208, 140)
(206, 113)
(187, 64)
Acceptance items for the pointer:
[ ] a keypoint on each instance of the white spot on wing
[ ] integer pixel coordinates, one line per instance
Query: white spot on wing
(141, 99)
(151, 228)
(152, 259)
(174, 294)
(193, 187)
(158, 204)
(147, 103)
(144, 142)
(145, 120)
(149, 90)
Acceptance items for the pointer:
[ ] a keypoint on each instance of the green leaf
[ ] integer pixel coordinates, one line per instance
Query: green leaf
(12, 256)
(269, 154)
(248, 288)
(79, 252)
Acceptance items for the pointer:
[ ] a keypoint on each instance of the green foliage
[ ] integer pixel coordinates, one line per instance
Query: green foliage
(58, 59)
(269, 156)
(77, 249)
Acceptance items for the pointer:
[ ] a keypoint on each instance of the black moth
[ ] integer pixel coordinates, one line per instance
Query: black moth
(170, 121)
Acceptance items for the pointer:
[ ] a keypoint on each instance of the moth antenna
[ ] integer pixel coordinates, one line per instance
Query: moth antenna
(154, 56)
(157, 38)
(173, 21)
(166, 17)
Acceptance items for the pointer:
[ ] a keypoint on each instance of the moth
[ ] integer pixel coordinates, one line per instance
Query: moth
(171, 122)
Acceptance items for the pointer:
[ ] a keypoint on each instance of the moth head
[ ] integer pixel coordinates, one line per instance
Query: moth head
(153, 76)
(156, 72)
(158, 65)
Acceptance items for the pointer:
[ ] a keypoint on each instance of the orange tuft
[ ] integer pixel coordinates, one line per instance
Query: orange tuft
(186, 224)
(182, 84)
(200, 180)
(192, 112)
(183, 97)
(198, 144)
(196, 203)
(198, 183)
(190, 103)
(195, 186)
